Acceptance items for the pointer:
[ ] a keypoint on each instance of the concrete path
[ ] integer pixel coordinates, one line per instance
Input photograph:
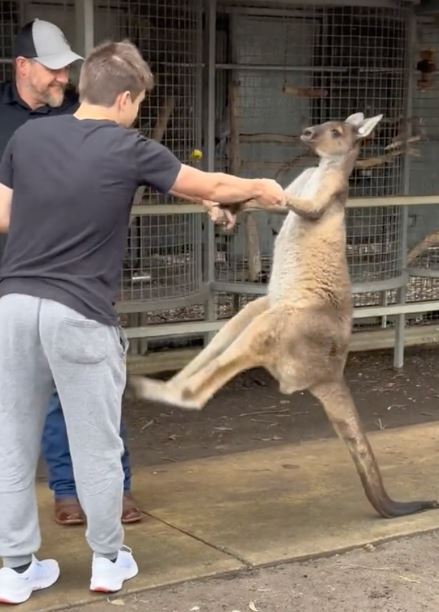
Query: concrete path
(225, 514)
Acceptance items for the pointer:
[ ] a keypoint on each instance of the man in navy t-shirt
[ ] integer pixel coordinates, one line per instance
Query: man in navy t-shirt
(66, 188)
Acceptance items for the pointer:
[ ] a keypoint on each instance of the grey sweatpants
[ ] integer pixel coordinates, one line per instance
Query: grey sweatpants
(43, 343)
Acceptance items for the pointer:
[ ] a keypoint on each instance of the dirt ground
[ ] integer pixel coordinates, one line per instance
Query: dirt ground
(250, 413)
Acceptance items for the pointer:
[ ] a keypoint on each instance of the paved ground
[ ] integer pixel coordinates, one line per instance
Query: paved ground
(400, 576)
(234, 513)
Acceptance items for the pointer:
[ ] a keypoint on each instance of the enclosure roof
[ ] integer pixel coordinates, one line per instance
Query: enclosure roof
(317, 3)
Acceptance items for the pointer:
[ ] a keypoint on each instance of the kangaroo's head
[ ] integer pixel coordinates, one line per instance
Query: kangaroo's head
(335, 139)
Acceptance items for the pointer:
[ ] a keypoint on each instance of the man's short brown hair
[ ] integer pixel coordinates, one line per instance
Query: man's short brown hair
(112, 68)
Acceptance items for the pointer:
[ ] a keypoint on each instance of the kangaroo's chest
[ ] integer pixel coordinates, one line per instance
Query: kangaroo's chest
(291, 242)
(305, 186)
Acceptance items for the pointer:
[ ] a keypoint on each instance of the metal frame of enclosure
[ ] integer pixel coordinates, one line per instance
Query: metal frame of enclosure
(238, 80)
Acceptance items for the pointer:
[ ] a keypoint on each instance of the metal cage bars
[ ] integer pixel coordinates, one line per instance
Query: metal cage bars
(172, 253)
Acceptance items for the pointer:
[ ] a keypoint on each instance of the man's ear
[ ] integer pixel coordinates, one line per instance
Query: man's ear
(123, 98)
(368, 125)
(20, 65)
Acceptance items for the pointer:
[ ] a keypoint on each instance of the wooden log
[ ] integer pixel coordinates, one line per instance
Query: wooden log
(373, 162)
(399, 143)
(360, 164)
(305, 92)
(431, 240)
(252, 246)
(234, 140)
(269, 138)
(157, 134)
(162, 121)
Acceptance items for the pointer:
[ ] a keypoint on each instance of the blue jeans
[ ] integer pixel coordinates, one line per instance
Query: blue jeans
(56, 453)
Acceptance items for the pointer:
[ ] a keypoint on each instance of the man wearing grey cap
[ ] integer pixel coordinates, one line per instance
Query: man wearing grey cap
(42, 59)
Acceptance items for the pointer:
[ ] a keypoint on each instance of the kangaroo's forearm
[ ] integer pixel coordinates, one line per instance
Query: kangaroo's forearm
(252, 205)
(308, 209)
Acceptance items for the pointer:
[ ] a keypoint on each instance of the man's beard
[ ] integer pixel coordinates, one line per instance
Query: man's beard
(55, 96)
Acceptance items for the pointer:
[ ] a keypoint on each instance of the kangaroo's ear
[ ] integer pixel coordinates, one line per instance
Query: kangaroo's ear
(355, 119)
(368, 125)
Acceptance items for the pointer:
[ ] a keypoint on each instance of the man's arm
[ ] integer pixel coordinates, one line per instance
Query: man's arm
(195, 184)
(158, 167)
(5, 208)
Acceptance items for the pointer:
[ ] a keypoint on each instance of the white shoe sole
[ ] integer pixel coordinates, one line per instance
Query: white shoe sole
(107, 586)
(17, 597)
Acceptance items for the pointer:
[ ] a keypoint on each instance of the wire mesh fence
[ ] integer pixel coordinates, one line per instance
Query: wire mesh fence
(167, 32)
(9, 24)
(163, 258)
(163, 255)
(278, 69)
(424, 269)
(299, 66)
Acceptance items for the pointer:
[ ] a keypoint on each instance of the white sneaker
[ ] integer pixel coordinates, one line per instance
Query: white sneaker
(16, 588)
(108, 576)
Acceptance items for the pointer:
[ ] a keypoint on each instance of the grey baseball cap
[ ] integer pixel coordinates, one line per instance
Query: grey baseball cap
(44, 42)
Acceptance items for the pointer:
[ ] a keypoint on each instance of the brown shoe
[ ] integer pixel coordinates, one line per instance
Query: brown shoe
(68, 512)
(131, 512)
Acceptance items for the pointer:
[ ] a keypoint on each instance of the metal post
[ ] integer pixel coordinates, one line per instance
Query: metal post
(199, 76)
(84, 17)
(21, 14)
(199, 130)
(398, 353)
(211, 85)
(210, 232)
(384, 302)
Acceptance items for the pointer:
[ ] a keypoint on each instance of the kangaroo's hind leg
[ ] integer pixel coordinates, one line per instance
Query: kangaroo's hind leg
(254, 347)
(227, 334)
(170, 391)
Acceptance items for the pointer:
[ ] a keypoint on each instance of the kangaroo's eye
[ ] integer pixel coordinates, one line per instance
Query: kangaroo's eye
(336, 133)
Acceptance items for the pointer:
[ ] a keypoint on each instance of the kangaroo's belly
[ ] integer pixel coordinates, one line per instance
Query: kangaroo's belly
(309, 261)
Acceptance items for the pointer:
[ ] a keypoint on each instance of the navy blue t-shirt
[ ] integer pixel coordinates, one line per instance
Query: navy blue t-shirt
(74, 182)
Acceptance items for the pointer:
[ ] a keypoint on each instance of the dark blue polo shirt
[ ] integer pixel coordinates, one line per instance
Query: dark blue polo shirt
(74, 182)
(14, 111)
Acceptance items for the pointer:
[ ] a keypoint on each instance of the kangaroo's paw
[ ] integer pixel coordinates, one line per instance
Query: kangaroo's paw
(159, 391)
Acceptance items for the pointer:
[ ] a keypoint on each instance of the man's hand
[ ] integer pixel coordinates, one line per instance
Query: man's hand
(220, 214)
(271, 193)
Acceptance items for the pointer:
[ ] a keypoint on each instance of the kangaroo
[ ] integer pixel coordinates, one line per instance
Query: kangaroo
(299, 331)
